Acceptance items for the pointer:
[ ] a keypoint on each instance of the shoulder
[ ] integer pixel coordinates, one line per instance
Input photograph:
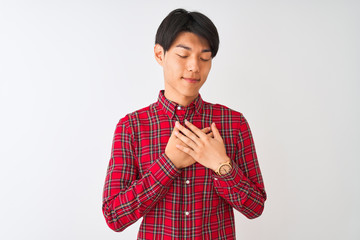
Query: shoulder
(222, 111)
(138, 116)
(228, 118)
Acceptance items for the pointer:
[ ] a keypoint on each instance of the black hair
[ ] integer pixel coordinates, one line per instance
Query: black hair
(180, 20)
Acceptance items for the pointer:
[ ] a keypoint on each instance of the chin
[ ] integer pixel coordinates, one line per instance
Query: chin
(190, 93)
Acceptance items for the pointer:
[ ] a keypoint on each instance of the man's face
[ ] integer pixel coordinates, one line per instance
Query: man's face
(186, 66)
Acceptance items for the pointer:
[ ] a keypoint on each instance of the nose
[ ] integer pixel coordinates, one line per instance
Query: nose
(193, 65)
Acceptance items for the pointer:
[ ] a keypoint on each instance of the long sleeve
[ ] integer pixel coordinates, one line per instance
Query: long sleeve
(127, 197)
(243, 187)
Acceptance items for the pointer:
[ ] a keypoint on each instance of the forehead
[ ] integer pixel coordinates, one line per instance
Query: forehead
(190, 40)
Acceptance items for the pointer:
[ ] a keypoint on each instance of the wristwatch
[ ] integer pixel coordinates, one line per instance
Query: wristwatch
(224, 168)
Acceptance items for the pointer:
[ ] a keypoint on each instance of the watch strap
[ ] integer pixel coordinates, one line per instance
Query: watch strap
(228, 163)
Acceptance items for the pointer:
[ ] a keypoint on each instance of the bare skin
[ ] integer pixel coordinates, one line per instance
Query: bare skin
(186, 66)
(208, 151)
(179, 158)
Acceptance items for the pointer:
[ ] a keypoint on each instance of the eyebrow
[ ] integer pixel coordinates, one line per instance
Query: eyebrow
(188, 48)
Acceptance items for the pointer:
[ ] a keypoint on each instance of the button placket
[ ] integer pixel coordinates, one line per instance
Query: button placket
(187, 194)
(180, 113)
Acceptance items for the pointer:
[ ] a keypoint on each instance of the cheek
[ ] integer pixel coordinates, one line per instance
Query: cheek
(206, 69)
(173, 67)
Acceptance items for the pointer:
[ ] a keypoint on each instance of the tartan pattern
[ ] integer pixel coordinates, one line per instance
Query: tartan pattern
(191, 203)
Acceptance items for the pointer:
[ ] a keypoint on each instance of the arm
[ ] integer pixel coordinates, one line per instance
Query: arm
(126, 197)
(243, 187)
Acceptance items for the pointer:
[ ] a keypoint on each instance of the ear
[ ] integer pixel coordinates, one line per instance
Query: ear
(159, 54)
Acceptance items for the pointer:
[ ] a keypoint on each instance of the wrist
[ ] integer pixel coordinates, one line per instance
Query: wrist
(218, 164)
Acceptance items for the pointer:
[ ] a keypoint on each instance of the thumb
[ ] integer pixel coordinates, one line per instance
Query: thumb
(173, 131)
(215, 131)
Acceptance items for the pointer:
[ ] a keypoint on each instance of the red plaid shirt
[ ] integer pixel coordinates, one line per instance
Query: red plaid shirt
(191, 203)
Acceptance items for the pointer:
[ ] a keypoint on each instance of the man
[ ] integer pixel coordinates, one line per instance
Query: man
(182, 163)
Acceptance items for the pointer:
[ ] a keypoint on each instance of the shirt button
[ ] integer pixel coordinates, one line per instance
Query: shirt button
(215, 179)
(187, 181)
(178, 107)
(187, 213)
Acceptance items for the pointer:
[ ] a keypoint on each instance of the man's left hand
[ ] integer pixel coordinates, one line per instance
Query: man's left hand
(209, 152)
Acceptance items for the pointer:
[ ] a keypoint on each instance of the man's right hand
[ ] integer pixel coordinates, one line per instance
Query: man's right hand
(177, 157)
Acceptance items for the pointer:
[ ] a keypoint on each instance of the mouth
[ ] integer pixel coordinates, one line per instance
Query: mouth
(191, 80)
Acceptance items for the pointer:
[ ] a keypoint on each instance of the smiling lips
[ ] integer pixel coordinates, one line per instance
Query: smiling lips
(191, 80)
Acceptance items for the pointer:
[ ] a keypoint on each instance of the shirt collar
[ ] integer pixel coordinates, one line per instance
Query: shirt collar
(169, 107)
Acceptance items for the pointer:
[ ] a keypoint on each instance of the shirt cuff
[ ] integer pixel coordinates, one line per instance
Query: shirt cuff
(164, 171)
(229, 180)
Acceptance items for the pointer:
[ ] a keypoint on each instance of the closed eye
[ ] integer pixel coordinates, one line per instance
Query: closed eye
(202, 59)
(182, 56)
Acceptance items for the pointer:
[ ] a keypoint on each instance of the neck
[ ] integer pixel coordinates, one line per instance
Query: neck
(182, 100)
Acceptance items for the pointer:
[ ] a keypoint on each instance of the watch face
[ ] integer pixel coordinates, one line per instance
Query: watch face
(224, 169)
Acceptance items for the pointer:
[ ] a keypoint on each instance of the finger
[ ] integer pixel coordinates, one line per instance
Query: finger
(185, 139)
(194, 129)
(188, 133)
(172, 133)
(206, 130)
(186, 150)
(215, 131)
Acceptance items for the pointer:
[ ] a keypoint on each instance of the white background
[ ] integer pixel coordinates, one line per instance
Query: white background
(69, 70)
